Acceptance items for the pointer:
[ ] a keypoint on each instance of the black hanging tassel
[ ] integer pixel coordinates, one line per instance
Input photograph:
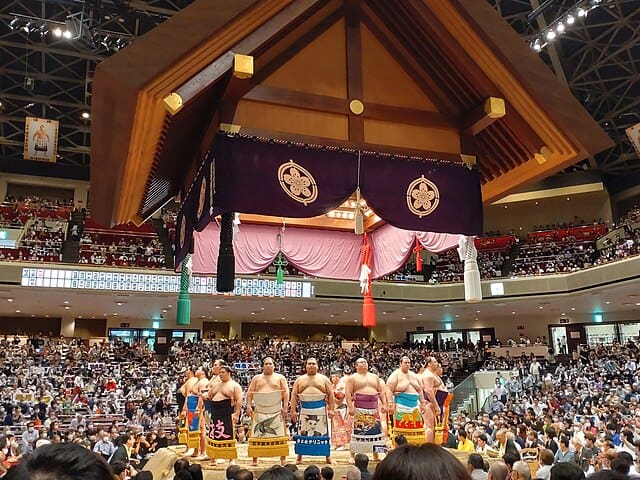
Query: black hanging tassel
(226, 260)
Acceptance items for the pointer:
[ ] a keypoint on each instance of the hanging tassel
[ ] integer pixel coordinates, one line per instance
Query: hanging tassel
(280, 262)
(183, 309)
(368, 307)
(236, 225)
(468, 254)
(226, 260)
(417, 249)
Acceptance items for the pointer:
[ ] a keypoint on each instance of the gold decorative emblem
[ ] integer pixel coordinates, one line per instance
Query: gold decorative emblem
(297, 182)
(423, 197)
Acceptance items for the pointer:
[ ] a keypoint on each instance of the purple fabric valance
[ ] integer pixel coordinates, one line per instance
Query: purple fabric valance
(257, 176)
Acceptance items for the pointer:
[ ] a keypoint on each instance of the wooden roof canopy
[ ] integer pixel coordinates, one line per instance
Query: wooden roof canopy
(434, 78)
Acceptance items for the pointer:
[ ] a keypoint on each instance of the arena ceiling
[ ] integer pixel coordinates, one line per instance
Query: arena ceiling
(44, 74)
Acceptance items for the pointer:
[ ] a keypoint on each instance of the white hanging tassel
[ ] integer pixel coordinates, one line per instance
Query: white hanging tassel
(468, 254)
(236, 225)
(365, 271)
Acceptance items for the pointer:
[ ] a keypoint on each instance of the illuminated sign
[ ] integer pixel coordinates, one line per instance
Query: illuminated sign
(161, 283)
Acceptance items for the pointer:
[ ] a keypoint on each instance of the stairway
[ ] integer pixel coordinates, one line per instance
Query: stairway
(507, 267)
(165, 241)
(71, 246)
(71, 251)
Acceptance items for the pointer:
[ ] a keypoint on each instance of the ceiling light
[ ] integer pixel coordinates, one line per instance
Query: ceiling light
(281, 318)
(305, 309)
(86, 115)
(419, 314)
(9, 299)
(404, 318)
(67, 34)
(169, 306)
(17, 311)
(67, 307)
(477, 311)
(537, 47)
(115, 314)
(345, 311)
(607, 302)
(540, 307)
(573, 308)
(582, 12)
(253, 313)
(217, 306)
(57, 32)
(571, 20)
(513, 313)
(551, 35)
(637, 304)
(560, 27)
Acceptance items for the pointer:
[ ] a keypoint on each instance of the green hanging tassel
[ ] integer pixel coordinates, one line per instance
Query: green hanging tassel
(183, 310)
(280, 262)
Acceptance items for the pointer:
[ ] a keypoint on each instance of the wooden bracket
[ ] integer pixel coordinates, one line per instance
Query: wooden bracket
(483, 115)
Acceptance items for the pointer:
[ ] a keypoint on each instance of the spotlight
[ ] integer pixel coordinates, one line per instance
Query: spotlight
(551, 35)
(582, 12)
(27, 28)
(86, 115)
(537, 47)
(14, 23)
(44, 29)
(106, 42)
(571, 20)
(560, 27)
(57, 32)
(67, 34)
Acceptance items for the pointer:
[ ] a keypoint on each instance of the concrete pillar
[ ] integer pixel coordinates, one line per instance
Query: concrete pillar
(379, 333)
(235, 328)
(80, 197)
(68, 326)
(3, 189)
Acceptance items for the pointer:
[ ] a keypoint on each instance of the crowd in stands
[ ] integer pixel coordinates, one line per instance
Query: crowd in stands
(586, 413)
(113, 397)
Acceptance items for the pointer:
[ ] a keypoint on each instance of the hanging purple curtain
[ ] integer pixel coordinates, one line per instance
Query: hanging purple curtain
(257, 176)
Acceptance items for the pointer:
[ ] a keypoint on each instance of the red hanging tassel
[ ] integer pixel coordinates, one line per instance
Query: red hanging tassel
(417, 249)
(368, 311)
(368, 307)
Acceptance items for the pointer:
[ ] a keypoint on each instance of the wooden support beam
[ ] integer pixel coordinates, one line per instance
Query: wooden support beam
(340, 106)
(351, 145)
(482, 116)
(223, 64)
(354, 70)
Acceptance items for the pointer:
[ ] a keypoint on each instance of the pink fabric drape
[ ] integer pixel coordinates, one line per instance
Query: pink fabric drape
(319, 253)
